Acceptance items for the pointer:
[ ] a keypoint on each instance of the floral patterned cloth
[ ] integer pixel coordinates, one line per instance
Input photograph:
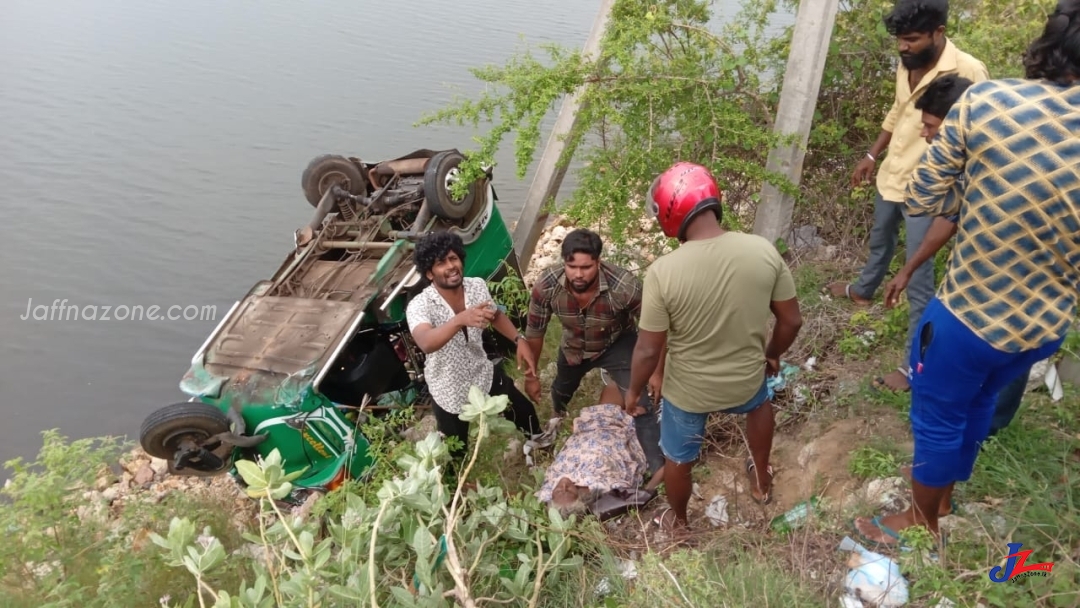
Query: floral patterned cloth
(603, 453)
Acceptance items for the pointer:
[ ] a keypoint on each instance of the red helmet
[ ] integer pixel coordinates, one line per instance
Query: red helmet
(679, 194)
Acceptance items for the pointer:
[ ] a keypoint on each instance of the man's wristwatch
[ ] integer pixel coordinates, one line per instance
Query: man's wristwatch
(519, 337)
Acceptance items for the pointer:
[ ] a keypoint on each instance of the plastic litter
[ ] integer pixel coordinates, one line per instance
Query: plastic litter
(795, 517)
(873, 578)
(717, 511)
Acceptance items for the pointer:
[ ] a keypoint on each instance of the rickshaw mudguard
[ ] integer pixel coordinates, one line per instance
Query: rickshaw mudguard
(319, 439)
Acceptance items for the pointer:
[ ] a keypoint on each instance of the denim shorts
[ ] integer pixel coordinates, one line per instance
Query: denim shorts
(682, 432)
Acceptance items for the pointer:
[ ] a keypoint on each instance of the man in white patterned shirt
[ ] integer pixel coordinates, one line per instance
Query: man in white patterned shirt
(447, 320)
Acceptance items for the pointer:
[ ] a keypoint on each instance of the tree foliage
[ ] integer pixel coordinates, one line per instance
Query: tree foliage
(664, 86)
(669, 83)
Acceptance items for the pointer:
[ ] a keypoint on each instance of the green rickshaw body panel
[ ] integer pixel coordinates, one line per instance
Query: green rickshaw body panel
(263, 360)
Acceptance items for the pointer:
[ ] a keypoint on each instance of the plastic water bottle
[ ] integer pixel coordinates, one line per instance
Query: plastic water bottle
(794, 518)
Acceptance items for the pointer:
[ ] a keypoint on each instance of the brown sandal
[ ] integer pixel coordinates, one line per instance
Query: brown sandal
(767, 498)
(857, 299)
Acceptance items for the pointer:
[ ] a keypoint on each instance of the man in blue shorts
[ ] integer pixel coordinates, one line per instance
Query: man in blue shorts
(709, 302)
(935, 103)
(1013, 283)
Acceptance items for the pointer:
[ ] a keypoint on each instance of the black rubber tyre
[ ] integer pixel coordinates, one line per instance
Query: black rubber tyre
(325, 171)
(163, 430)
(440, 170)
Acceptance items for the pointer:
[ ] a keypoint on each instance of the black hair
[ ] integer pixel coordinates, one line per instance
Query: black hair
(941, 94)
(434, 247)
(582, 241)
(917, 16)
(1055, 55)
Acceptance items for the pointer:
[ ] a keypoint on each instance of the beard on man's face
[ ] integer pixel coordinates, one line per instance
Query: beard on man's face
(915, 61)
(581, 285)
(449, 278)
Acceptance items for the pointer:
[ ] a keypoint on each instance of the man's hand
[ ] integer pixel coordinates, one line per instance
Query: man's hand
(895, 287)
(772, 367)
(532, 388)
(525, 355)
(631, 405)
(864, 170)
(480, 315)
(656, 384)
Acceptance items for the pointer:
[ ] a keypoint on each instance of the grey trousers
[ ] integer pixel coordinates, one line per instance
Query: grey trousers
(883, 237)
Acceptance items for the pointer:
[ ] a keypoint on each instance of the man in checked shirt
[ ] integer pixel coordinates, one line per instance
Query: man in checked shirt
(1011, 290)
(598, 305)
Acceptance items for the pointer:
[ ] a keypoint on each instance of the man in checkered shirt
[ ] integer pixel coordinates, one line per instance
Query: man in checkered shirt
(598, 305)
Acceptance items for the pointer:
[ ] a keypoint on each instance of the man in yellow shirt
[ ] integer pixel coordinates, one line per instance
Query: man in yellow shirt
(1010, 294)
(925, 54)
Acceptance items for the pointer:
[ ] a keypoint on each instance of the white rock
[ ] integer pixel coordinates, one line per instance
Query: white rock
(159, 465)
(887, 493)
(806, 454)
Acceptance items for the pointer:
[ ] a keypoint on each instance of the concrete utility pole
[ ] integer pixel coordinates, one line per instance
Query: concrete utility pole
(798, 97)
(555, 159)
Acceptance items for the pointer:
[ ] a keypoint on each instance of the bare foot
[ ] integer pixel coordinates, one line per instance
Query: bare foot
(894, 381)
(840, 289)
(945, 508)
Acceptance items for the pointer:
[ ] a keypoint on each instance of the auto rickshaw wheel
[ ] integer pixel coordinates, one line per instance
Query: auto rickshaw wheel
(323, 172)
(171, 429)
(441, 173)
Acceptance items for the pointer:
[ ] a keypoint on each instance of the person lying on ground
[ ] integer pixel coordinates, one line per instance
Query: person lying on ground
(1010, 293)
(601, 456)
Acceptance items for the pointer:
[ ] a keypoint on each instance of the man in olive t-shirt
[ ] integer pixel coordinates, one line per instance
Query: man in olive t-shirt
(710, 300)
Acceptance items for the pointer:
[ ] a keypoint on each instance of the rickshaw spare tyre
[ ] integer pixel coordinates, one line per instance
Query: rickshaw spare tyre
(325, 171)
(442, 169)
(163, 431)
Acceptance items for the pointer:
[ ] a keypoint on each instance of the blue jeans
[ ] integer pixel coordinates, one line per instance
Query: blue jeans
(884, 234)
(956, 378)
(682, 432)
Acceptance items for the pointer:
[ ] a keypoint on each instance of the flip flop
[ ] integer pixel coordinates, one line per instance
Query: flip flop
(899, 544)
(876, 521)
(753, 478)
(858, 300)
(658, 521)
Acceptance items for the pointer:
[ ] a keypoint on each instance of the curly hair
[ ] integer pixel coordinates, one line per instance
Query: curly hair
(582, 241)
(917, 16)
(1055, 55)
(941, 94)
(434, 247)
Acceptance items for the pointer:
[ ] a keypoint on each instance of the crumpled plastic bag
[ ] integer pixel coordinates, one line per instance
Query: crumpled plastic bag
(778, 383)
(873, 577)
